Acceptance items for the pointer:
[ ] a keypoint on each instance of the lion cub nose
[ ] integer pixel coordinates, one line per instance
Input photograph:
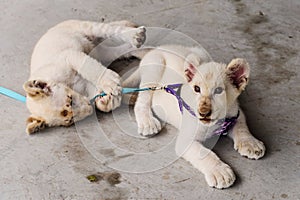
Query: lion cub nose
(205, 113)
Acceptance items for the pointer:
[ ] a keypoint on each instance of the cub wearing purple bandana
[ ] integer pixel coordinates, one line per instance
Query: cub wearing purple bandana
(202, 105)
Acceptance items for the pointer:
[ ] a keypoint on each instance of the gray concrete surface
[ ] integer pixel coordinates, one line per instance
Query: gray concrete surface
(54, 164)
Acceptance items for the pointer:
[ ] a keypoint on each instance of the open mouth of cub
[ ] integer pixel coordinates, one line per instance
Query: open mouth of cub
(205, 120)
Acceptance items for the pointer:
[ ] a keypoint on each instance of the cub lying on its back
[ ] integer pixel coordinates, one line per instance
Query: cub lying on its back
(211, 90)
(63, 77)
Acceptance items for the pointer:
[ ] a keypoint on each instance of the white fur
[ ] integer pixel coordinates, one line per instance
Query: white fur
(64, 77)
(193, 67)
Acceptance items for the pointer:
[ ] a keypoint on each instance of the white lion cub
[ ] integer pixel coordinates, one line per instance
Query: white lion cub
(210, 90)
(63, 77)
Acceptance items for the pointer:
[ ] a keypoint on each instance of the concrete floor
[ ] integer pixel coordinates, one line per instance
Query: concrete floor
(54, 164)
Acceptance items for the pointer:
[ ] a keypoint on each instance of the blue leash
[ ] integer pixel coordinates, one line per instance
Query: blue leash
(168, 88)
(12, 94)
(19, 97)
(225, 124)
(128, 90)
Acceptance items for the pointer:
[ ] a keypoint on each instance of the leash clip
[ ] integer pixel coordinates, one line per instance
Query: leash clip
(157, 88)
(153, 88)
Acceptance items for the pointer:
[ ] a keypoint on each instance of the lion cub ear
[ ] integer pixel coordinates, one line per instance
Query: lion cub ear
(37, 89)
(35, 124)
(238, 72)
(190, 66)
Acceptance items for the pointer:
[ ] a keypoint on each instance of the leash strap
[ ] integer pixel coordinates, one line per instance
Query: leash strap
(12, 94)
(224, 125)
(126, 91)
(171, 89)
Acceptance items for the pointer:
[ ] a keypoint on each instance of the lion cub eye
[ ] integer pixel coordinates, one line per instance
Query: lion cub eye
(218, 90)
(197, 89)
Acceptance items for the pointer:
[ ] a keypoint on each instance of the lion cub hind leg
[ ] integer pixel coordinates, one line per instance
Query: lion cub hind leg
(37, 89)
(135, 36)
(124, 23)
(35, 124)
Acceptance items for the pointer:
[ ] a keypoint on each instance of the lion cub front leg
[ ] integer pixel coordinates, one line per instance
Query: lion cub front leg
(104, 79)
(148, 125)
(217, 173)
(151, 70)
(244, 142)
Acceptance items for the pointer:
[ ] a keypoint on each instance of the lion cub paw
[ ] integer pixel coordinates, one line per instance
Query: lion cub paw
(139, 37)
(108, 102)
(148, 126)
(37, 88)
(221, 176)
(136, 37)
(250, 148)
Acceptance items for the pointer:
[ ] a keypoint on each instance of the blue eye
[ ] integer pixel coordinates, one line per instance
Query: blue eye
(197, 89)
(218, 90)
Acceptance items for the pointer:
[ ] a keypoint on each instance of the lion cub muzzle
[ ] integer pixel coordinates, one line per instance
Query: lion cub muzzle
(204, 109)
